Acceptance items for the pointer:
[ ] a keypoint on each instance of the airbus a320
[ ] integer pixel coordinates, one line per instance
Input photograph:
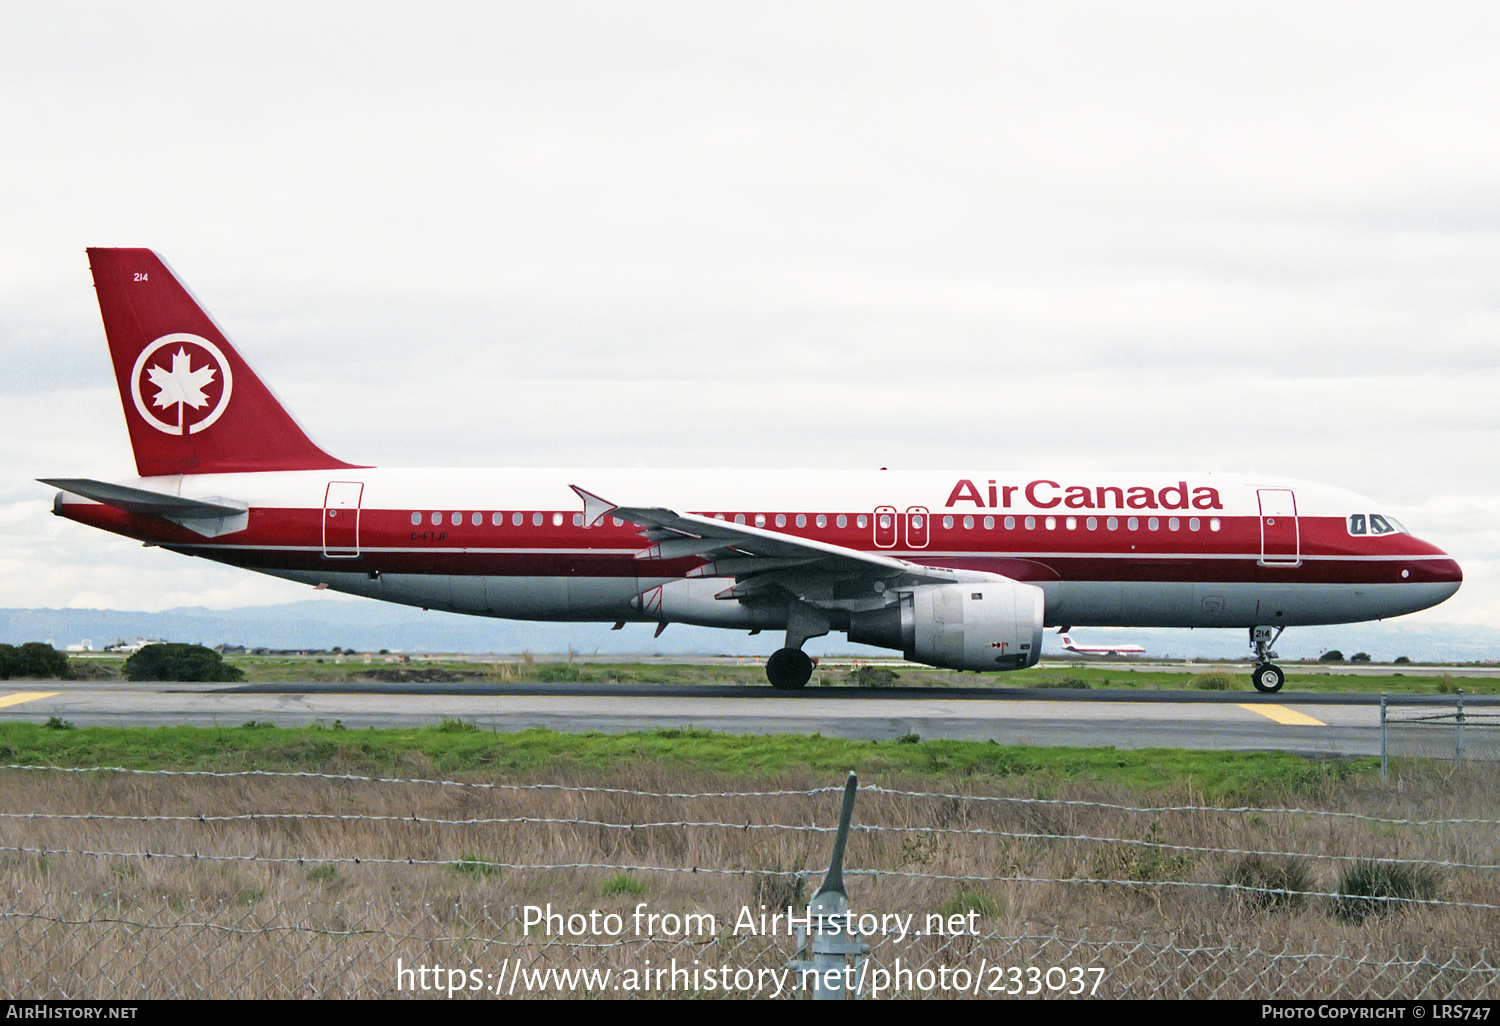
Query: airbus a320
(962, 570)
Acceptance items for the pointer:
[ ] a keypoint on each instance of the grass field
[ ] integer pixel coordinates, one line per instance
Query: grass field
(120, 884)
(1112, 674)
(460, 749)
(125, 885)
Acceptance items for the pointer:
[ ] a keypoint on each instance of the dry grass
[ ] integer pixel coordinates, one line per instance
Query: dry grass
(128, 925)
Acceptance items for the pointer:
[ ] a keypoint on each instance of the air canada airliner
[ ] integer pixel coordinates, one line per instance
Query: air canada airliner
(959, 569)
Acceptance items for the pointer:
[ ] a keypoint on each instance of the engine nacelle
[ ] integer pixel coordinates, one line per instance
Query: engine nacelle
(979, 626)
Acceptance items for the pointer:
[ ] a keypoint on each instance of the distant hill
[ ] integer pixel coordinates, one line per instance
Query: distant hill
(370, 626)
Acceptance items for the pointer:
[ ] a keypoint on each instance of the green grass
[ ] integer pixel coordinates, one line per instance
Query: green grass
(456, 749)
(1112, 674)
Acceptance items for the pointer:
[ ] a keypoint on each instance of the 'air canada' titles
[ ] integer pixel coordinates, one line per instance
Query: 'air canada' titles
(1043, 494)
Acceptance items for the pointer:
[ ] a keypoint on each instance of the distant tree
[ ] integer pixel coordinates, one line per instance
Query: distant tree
(1333, 655)
(1360, 657)
(180, 662)
(33, 659)
(1402, 660)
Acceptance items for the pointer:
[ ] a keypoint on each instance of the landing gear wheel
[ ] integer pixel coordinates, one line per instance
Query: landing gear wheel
(1268, 679)
(788, 669)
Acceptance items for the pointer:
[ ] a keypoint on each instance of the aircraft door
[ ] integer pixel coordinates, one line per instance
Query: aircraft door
(887, 530)
(1280, 537)
(917, 527)
(341, 519)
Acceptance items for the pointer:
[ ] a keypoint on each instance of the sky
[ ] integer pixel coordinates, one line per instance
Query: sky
(1040, 237)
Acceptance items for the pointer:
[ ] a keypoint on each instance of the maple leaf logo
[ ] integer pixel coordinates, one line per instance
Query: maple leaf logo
(195, 382)
(181, 386)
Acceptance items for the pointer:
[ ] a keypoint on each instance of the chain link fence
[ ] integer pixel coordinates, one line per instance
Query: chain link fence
(1440, 729)
(252, 885)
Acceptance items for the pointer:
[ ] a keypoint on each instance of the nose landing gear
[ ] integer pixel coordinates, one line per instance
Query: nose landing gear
(1267, 676)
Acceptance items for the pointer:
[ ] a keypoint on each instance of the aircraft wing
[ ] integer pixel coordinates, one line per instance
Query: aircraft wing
(210, 517)
(761, 560)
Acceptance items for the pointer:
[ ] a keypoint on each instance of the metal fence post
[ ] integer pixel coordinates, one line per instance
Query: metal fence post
(1458, 731)
(826, 942)
(1384, 746)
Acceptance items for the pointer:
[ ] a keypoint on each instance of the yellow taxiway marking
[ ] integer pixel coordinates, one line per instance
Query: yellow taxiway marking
(1281, 714)
(24, 696)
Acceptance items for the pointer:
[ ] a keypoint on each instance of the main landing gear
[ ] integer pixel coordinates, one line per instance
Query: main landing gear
(790, 668)
(1267, 676)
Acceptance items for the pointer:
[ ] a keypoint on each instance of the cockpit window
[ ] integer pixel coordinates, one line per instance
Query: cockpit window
(1374, 523)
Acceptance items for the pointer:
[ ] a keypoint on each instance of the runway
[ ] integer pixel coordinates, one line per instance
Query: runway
(1319, 725)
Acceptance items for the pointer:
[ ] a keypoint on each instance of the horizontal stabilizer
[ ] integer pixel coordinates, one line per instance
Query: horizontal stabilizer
(208, 517)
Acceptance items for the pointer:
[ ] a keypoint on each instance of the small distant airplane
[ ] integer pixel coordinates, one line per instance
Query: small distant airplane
(1100, 650)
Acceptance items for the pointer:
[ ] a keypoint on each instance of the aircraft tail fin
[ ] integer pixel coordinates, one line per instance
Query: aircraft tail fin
(192, 404)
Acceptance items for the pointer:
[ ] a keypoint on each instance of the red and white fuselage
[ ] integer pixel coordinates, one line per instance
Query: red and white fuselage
(512, 543)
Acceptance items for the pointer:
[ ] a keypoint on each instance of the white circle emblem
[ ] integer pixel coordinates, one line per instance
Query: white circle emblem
(189, 385)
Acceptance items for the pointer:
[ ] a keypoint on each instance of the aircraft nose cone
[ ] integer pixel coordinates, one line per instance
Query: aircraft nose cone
(1448, 571)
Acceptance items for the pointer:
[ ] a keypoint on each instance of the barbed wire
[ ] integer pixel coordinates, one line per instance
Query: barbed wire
(865, 789)
(468, 863)
(434, 782)
(254, 817)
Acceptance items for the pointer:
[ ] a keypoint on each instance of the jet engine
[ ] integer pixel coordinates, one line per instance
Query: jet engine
(978, 626)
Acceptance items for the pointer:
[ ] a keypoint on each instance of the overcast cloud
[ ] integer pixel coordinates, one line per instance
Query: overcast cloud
(1054, 236)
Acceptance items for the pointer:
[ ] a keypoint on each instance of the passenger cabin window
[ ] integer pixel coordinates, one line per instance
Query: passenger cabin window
(416, 519)
(822, 520)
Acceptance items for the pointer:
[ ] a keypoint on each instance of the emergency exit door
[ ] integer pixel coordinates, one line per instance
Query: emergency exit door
(1280, 537)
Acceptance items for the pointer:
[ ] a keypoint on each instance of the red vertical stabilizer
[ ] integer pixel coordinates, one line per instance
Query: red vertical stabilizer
(192, 404)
